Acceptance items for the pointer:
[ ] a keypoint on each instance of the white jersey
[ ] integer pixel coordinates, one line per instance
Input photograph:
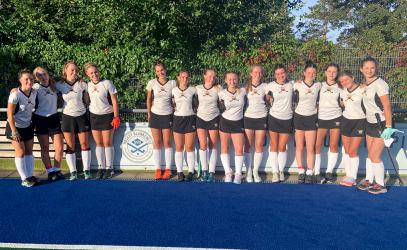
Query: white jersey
(73, 97)
(353, 103)
(25, 106)
(307, 98)
(183, 101)
(46, 100)
(282, 105)
(100, 97)
(256, 104)
(234, 104)
(329, 102)
(162, 94)
(371, 99)
(208, 108)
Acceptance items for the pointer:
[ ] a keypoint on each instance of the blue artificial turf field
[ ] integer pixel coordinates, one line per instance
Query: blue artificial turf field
(218, 215)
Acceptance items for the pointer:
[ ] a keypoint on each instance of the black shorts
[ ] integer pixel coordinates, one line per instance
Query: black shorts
(330, 124)
(101, 122)
(373, 129)
(208, 125)
(160, 121)
(280, 126)
(184, 124)
(75, 124)
(228, 126)
(50, 125)
(353, 127)
(26, 134)
(255, 123)
(302, 122)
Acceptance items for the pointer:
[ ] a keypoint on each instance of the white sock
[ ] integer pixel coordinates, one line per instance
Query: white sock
(179, 161)
(317, 165)
(309, 172)
(203, 158)
(157, 158)
(191, 161)
(301, 170)
(274, 161)
(100, 156)
(226, 163)
(86, 158)
(282, 160)
(378, 170)
(109, 153)
(247, 160)
(369, 171)
(212, 160)
(354, 166)
(346, 164)
(29, 165)
(239, 164)
(71, 161)
(257, 158)
(20, 165)
(332, 159)
(168, 158)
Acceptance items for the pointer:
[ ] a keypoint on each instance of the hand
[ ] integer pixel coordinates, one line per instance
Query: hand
(388, 132)
(16, 136)
(13, 90)
(148, 116)
(116, 122)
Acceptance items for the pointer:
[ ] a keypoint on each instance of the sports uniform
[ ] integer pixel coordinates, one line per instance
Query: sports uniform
(255, 115)
(161, 109)
(281, 112)
(305, 115)
(25, 105)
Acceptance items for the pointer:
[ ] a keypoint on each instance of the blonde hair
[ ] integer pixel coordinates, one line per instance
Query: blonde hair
(89, 65)
(237, 75)
(249, 82)
(66, 66)
(51, 81)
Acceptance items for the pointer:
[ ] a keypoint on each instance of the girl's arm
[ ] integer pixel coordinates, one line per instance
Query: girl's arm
(149, 103)
(10, 118)
(387, 110)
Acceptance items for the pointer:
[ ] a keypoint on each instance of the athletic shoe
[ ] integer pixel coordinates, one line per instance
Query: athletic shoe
(189, 177)
(364, 185)
(108, 173)
(52, 176)
(100, 174)
(347, 181)
(74, 176)
(238, 179)
(377, 189)
(35, 180)
(249, 175)
(228, 177)
(301, 178)
(157, 174)
(27, 183)
(318, 179)
(282, 177)
(181, 176)
(256, 177)
(308, 179)
(167, 174)
(329, 178)
(87, 174)
(204, 175)
(275, 178)
(211, 177)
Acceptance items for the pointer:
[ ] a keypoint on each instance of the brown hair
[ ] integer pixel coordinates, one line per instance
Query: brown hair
(22, 72)
(235, 73)
(51, 81)
(206, 71)
(337, 68)
(249, 82)
(66, 66)
(159, 63)
(179, 73)
(346, 73)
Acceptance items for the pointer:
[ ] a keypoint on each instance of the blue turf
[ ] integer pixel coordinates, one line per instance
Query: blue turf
(171, 214)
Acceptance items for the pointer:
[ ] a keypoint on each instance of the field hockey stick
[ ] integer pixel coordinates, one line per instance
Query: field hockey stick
(198, 174)
(393, 161)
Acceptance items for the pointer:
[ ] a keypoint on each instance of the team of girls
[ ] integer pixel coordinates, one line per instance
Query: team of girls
(32, 109)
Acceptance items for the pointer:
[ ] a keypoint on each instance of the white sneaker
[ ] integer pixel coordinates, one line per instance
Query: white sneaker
(228, 177)
(282, 177)
(275, 178)
(27, 183)
(249, 175)
(256, 176)
(238, 179)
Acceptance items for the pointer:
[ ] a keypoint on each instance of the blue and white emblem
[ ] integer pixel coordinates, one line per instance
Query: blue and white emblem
(137, 145)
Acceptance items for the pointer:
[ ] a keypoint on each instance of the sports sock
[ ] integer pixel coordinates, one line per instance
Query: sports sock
(20, 165)
(29, 165)
(178, 161)
(247, 160)
(212, 160)
(168, 158)
(109, 153)
(369, 171)
(309, 172)
(317, 165)
(239, 164)
(203, 158)
(86, 158)
(332, 159)
(282, 160)
(354, 166)
(71, 161)
(157, 158)
(100, 156)
(191, 161)
(226, 163)
(274, 161)
(301, 170)
(346, 164)
(378, 169)
(257, 158)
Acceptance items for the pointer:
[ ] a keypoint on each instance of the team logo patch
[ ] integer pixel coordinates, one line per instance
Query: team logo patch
(193, 126)
(337, 123)
(137, 146)
(215, 125)
(360, 131)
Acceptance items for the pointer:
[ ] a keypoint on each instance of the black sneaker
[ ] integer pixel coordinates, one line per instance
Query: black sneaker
(35, 180)
(59, 175)
(101, 173)
(189, 177)
(301, 178)
(308, 179)
(318, 179)
(329, 178)
(52, 176)
(108, 173)
(181, 176)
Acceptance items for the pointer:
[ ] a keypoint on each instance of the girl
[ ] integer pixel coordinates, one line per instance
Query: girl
(159, 113)
(47, 122)
(353, 124)
(329, 118)
(183, 97)
(207, 123)
(376, 100)
(280, 121)
(104, 117)
(74, 118)
(305, 119)
(255, 122)
(19, 128)
(231, 125)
